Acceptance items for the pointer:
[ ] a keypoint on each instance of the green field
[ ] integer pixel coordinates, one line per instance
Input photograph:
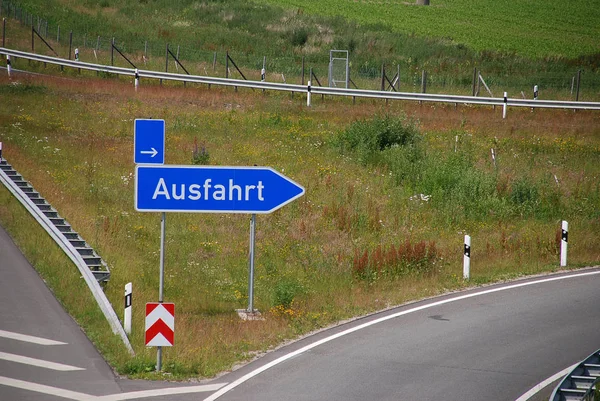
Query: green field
(534, 28)
(391, 187)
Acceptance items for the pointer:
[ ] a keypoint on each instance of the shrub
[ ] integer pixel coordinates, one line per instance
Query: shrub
(368, 138)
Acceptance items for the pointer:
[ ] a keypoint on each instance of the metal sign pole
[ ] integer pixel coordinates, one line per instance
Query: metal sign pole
(251, 267)
(161, 281)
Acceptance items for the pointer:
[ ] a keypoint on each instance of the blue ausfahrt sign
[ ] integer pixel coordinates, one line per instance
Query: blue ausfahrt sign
(149, 141)
(212, 189)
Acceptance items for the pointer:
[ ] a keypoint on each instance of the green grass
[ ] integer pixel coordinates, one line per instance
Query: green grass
(73, 139)
(515, 46)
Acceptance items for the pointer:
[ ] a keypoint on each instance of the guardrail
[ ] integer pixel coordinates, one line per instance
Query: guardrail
(581, 382)
(72, 253)
(315, 90)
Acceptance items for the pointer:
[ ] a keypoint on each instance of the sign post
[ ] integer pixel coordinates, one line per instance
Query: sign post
(251, 265)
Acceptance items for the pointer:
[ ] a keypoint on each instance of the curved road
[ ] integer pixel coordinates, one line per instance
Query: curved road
(493, 343)
(490, 344)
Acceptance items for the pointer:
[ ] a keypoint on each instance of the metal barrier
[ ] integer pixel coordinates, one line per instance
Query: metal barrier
(315, 90)
(581, 383)
(72, 253)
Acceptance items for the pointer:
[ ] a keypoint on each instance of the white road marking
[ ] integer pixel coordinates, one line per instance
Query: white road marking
(538, 387)
(284, 358)
(40, 388)
(161, 392)
(38, 362)
(73, 395)
(29, 339)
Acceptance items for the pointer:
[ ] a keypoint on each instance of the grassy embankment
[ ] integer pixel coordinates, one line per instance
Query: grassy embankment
(73, 140)
(514, 46)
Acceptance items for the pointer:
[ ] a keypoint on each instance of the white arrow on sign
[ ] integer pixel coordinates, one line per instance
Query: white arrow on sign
(152, 152)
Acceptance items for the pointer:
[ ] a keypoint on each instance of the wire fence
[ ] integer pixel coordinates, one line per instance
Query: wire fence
(293, 68)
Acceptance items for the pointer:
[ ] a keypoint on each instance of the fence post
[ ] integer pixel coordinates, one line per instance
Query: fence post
(578, 82)
(424, 82)
(70, 43)
(58, 34)
(3, 32)
(302, 70)
(382, 77)
(564, 243)
(112, 51)
(127, 314)
(467, 258)
(474, 80)
(227, 64)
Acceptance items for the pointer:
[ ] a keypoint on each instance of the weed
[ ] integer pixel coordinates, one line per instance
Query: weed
(200, 155)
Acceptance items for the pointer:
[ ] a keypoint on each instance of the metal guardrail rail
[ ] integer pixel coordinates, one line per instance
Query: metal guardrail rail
(579, 384)
(315, 90)
(69, 250)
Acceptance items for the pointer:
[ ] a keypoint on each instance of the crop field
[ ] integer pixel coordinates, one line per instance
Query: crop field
(538, 28)
(391, 187)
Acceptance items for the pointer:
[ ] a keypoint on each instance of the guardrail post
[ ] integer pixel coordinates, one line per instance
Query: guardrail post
(308, 92)
(467, 258)
(564, 243)
(127, 313)
(505, 105)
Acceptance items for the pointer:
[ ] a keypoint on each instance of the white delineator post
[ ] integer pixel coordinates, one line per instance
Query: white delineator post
(127, 314)
(137, 79)
(563, 243)
(8, 64)
(308, 94)
(505, 105)
(467, 258)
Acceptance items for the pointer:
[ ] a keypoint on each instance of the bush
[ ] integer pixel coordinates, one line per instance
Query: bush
(369, 138)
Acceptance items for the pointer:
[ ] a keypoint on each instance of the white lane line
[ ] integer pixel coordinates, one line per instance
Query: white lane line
(29, 339)
(284, 358)
(38, 362)
(161, 392)
(40, 388)
(538, 387)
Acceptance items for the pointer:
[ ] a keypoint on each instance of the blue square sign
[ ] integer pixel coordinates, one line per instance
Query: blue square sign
(149, 141)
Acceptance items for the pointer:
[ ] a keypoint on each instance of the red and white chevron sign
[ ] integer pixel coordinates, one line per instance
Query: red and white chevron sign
(160, 324)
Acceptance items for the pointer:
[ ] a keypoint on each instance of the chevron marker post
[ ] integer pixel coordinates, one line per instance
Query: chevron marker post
(160, 324)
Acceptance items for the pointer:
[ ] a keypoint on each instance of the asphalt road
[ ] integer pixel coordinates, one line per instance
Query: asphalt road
(28, 308)
(493, 346)
(487, 344)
